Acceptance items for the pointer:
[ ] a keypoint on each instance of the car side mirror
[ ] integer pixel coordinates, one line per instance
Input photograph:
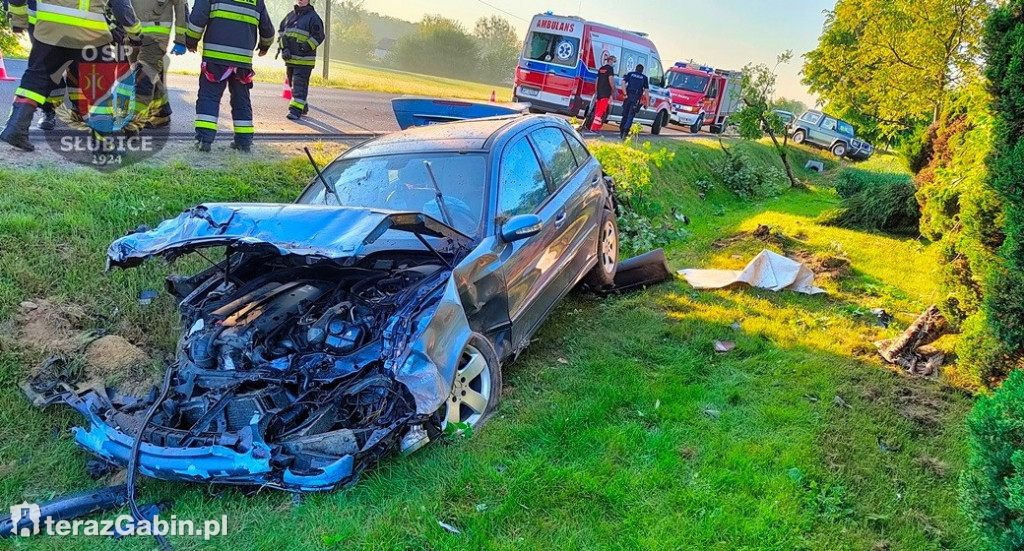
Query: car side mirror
(521, 227)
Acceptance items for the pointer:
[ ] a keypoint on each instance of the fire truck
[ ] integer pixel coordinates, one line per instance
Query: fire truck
(702, 95)
(557, 70)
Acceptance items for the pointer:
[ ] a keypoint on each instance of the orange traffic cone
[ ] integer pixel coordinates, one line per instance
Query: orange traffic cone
(286, 92)
(492, 96)
(3, 70)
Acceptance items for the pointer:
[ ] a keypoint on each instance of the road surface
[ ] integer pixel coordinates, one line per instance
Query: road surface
(332, 111)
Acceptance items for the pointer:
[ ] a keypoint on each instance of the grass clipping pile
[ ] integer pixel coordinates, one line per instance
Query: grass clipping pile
(51, 335)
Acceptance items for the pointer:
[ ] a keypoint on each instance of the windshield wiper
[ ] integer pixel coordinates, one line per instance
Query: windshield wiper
(330, 188)
(440, 196)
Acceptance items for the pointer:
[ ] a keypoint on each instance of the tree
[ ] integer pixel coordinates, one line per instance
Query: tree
(755, 118)
(794, 106)
(351, 37)
(893, 61)
(499, 48)
(440, 46)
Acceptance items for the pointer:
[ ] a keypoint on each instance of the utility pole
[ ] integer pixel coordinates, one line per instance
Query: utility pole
(327, 42)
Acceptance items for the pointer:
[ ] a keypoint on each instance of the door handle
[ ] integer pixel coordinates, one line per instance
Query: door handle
(560, 219)
(594, 181)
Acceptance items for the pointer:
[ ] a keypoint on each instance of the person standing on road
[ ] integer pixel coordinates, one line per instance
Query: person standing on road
(230, 31)
(635, 87)
(159, 19)
(63, 29)
(23, 17)
(605, 86)
(299, 35)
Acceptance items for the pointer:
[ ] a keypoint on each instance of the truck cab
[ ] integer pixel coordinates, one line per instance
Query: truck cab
(702, 96)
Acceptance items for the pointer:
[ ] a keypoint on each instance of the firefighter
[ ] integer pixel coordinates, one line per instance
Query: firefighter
(229, 34)
(635, 87)
(23, 17)
(63, 29)
(299, 35)
(159, 19)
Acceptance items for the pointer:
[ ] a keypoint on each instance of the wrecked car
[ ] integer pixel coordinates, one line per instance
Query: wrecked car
(370, 316)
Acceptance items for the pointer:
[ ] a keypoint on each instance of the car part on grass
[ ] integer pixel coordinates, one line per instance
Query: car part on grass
(69, 507)
(641, 271)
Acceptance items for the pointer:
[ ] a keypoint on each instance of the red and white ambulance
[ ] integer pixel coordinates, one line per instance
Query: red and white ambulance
(702, 95)
(557, 70)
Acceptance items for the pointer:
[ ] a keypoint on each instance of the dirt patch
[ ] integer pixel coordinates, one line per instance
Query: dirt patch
(923, 409)
(47, 327)
(822, 264)
(762, 233)
(113, 357)
(935, 466)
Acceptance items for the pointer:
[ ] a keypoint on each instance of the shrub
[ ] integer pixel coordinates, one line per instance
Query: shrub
(992, 487)
(739, 175)
(875, 202)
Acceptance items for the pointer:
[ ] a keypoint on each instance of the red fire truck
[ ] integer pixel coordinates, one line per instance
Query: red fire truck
(702, 95)
(557, 70)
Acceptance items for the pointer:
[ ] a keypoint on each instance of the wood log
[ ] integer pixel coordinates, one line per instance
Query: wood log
(910, 350)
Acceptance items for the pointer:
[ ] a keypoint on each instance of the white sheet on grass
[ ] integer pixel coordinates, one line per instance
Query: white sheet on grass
(767, 270)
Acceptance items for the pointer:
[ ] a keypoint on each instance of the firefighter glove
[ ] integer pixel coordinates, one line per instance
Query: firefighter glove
(179, 49)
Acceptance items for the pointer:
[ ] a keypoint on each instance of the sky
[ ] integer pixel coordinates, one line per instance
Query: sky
(726, 34)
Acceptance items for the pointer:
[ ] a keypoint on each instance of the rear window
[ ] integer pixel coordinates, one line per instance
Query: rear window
(553, 48)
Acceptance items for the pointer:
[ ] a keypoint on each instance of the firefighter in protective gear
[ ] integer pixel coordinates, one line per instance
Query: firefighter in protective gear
(230, 30)
(63, 29)
(23, 17)
(299, 35)
(159, 19)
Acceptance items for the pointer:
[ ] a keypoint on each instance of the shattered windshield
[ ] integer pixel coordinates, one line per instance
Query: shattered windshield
(687, 81)
(402, 183)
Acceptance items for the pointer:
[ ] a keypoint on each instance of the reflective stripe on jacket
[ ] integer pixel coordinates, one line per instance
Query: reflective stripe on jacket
(300, 33)
(160, 17)
(81, 23)
(230, 30)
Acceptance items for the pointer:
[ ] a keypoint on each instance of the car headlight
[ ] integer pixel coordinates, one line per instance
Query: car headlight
(677, 106)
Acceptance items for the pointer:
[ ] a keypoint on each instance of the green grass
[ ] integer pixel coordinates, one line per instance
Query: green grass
(619, 428)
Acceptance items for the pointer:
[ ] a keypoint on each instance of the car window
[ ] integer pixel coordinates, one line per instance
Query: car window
(845, 128)
(812, 118)
(829, 123)
(630, 59)
(553, 48)
(578, 149)
(554, 154)
(655, 72)
(522, 187)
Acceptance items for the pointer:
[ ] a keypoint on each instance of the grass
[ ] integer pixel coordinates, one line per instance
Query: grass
(620, 428)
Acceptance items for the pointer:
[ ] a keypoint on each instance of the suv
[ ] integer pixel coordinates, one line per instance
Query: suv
(836, 135)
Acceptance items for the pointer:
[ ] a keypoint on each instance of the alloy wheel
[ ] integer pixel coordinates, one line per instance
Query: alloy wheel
(609, 247)
(472, 389)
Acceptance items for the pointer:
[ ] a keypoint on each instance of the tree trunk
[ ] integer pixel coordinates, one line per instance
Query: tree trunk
(909, 350)
(781, 150)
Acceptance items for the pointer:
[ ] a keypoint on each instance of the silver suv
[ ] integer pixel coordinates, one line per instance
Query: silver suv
(836, 135)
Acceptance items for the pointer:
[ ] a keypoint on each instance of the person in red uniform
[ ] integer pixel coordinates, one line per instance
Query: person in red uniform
(605, 86)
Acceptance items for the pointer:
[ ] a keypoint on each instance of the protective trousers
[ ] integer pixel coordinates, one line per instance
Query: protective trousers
(151, 87)
(600, 111)
(630, 106)
(212, 81)
(298, 76)
(44, 62)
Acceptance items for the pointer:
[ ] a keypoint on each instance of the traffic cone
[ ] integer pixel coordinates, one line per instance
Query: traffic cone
(492, 96)
(286, 92)
(3, 70)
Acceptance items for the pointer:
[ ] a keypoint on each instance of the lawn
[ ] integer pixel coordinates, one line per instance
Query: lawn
(620, 428)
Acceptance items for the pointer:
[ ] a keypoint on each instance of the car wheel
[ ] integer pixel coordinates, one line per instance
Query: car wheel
(602, 276)
(839, 149)
(477, 387)
(799, 136)
(716, 128)
(656, 125)
(697, 125)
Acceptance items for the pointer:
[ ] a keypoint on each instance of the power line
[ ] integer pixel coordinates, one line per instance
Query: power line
(510, 14)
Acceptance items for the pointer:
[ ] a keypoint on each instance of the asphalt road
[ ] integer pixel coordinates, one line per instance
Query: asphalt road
(332, 111)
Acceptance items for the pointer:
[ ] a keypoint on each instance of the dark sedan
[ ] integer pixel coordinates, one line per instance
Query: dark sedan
(370, 316)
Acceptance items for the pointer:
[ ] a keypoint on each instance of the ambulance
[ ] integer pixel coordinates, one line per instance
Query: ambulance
(557, 70)
(702, 95)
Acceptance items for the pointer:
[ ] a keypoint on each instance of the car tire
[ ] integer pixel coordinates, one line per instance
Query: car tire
(716, 128)
(602, 275)
(479, 371)
(839, 149)
(697, 125)
(657, 124)
(799, 137)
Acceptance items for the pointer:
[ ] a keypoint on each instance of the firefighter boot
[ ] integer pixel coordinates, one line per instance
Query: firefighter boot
(16, 131)
(49, 121)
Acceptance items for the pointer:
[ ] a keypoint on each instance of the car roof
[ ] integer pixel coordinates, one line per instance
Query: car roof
(467, 135)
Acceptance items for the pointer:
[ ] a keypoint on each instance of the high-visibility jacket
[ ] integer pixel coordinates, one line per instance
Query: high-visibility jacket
(230, 30)
(82, 23)
(299, 35)
(21, 14)
(161, 17)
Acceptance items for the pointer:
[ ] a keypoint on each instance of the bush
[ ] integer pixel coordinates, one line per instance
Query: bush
(879, 202)
(992, 487)
(738, 174)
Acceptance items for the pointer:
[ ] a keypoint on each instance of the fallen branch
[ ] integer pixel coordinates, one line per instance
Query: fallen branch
(910, 350)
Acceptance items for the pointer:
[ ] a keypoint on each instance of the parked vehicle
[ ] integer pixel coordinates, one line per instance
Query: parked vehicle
(557, 70)
(827, 132)
(367, 317)
(702, 95)
(786, 117)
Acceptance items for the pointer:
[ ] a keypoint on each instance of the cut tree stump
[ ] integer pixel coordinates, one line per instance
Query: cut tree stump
(910, 350)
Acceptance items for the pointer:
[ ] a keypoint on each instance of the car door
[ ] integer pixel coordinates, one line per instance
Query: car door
(527, 265)
(825, 132)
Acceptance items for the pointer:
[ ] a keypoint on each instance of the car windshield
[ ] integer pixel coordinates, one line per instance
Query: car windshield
(402, 183)
(687, 81)
(845, 128)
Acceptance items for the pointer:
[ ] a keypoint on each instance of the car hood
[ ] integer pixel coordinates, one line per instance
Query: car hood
(685, 97)
(286, 229)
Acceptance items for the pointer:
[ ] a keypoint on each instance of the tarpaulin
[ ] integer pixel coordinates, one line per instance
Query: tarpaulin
(767, 270)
